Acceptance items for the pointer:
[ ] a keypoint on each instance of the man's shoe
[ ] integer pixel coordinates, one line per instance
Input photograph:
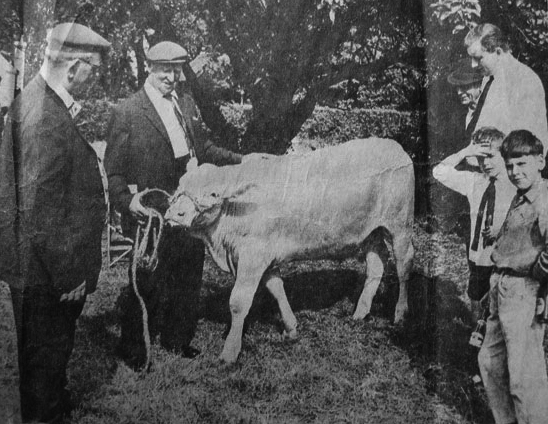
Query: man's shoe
(189, 352)
(186, 351)
(134, 358)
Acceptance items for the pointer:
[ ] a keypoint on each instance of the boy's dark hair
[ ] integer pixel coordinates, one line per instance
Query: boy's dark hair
(488, 135)
(521, 143)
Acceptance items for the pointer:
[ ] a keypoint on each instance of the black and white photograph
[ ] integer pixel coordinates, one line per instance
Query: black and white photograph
(273, 211)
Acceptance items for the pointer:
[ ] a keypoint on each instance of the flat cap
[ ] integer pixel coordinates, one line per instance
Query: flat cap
(167, 52)
(465, 74)
(74, 41)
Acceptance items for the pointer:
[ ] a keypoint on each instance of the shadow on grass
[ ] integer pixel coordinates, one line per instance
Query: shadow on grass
(93, 361)
(306, 290)
(436, 335)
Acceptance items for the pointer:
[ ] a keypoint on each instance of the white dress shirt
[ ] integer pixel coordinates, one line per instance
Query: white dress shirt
(515, 101)
(175, 131)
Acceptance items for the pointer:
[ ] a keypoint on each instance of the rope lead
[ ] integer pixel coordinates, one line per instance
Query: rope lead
(148, 263)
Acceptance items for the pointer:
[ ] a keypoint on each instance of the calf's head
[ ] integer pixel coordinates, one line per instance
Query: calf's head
(188, 211)
(192, 212)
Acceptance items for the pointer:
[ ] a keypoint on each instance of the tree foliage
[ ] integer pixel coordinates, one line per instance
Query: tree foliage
(525, 22)
(280, 55)
(285, 56)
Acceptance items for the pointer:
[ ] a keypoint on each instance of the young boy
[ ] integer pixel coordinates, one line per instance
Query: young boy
(489, 194)
(511, 358)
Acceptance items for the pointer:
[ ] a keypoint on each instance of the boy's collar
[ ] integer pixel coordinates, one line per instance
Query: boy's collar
(532, 192)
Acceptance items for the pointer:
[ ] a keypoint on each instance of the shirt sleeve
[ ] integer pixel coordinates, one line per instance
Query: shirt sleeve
(540, 268)
(529, 107)
(460, 181)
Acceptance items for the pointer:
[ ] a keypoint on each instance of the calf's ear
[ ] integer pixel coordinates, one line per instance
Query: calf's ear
(208, 201)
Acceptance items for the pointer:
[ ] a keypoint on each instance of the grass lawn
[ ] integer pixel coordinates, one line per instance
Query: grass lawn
(337, 371)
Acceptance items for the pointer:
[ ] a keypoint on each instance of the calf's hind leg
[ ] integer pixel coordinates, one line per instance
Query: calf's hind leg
(403, 255)
(275, 286)
(375, 270)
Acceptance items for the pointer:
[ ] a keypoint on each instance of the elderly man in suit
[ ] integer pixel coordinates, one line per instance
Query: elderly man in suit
(52, 212)
(153, 138)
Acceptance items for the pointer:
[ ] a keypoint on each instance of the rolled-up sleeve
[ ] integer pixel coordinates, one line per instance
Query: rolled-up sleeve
(459, 181)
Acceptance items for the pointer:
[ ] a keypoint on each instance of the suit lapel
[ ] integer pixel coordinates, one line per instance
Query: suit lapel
(48, 91)
(152, 115)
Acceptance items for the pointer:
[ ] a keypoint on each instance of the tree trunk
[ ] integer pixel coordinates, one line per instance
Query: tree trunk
(140, 59)
(272, 129)
(226, 134)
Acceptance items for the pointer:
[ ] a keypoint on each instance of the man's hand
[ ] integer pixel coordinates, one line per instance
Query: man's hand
(477, 150)
(257, 156)
(136, 208)
(484, 302)
(75, 295)
(192, 164)
(488, 235)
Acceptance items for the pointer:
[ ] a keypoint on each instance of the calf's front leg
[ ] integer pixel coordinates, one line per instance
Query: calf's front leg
(247, 280)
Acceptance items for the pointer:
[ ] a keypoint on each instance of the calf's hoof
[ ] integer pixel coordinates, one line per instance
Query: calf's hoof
(364, 318)
(229, 356)
(290, 334)
(399, 316)
(360, 315)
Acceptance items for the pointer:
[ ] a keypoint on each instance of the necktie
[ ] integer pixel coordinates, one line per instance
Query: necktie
(487, 208)
(475, 116)
(179, 116)
(74, 109)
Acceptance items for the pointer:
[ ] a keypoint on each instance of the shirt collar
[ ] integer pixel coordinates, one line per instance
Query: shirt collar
(73, 107)
(532, 194)
(154, 93)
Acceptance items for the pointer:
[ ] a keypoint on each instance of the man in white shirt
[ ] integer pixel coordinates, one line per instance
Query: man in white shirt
(515, 98)
(489, 194)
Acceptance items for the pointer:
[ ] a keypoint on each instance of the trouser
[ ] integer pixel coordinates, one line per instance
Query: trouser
(479, 282)
(511, 358)
(45, 339)
(171, 294)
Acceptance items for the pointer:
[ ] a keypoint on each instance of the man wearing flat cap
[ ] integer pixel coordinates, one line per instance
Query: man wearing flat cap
(154, 137)
(52, 211)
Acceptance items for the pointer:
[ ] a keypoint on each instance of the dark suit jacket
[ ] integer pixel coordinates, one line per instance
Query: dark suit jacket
(139, 151)
(52, 207)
